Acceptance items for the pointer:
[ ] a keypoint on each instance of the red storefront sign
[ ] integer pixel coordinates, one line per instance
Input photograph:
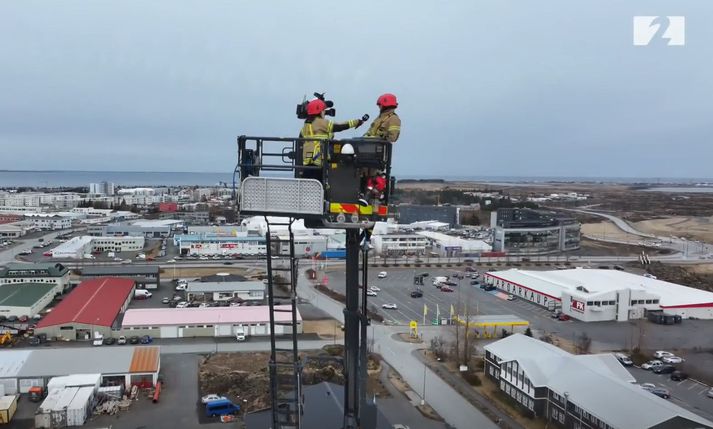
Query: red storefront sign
(578, 305)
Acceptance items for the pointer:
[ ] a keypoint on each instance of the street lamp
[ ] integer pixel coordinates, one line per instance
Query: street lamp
(423, 396)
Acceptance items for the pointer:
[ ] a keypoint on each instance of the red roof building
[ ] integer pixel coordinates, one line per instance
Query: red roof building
(168, 207)
(91, 307)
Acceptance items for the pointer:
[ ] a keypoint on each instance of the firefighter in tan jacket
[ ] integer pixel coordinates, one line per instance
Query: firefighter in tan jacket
(387, 126)
(321, 129)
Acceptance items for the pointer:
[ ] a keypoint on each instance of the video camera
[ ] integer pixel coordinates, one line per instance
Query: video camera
(302, 107)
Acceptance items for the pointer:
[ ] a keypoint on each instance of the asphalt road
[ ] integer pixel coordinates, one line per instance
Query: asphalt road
(688, 394)
(686, 249)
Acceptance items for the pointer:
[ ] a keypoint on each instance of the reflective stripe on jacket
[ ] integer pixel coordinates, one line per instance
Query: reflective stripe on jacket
(320, 129)
(386, 126)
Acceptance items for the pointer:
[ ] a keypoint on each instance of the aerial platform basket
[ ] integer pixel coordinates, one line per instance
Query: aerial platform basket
(273, 181)
(281, 196)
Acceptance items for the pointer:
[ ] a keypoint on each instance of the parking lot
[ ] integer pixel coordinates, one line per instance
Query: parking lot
(688, 393)
(610, 335)
(398, 284)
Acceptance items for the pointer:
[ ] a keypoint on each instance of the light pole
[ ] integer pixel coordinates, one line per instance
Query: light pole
(423, 396)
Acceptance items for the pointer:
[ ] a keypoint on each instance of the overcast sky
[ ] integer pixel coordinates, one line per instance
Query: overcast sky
(502, 88)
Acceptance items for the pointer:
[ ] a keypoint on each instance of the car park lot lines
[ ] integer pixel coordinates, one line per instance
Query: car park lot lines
(689, 394)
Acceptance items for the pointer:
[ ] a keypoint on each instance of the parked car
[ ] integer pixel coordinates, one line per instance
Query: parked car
(650, 365)
(710, 393)
(446, 289)
(672, 359)
(370, 293)
(23, 319)
(661, 392)
(146, 339)
(556, 314)
(182, 304)
(488, 288)
(661, 353)
(648, 386)
(678, 376)
(34, 341)
(121, 341)
(165, 300)
(665, 369)
(12, 318)
(220, 408)
(109, 341)
(511, 297)
(416, 294)
(142, 294)
(212, 397)
(134, 340)
(382, 275)
(375, 288)
(623, 359)
(182, 286)
(390, 306)
(475, 283)
(563, 317)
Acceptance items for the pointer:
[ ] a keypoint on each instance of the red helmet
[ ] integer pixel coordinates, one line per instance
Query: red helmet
(387, 100)
(315, 107)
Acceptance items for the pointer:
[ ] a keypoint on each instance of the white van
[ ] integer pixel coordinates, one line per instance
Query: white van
(240, 334)
(439, 280)
(142, 294)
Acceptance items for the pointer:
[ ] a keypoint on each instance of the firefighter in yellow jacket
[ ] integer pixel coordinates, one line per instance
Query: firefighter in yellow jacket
(321, 129)
(387, 126)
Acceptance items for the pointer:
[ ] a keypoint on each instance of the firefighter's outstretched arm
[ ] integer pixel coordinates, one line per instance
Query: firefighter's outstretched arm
(341, 126)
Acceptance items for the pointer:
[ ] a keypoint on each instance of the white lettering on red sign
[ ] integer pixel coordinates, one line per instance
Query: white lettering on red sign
(578, 305)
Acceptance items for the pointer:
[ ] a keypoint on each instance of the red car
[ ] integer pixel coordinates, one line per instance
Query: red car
(446, 289)
(563, 317)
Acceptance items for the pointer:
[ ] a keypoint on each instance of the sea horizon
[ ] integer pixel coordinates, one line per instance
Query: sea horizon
(78, 178)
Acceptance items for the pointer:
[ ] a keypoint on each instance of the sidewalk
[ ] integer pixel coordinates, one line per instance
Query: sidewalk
(465, 390)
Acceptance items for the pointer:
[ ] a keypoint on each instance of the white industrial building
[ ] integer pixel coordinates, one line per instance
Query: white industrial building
(226, 291)
(209, 245)
(448, 246)
(77, 247)
(206, 322)
(596, 295)
(46, 221)
(9, 230)
(305, 245)
(118, 244)
(399, 244)
(50, 273)
(74, 248)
